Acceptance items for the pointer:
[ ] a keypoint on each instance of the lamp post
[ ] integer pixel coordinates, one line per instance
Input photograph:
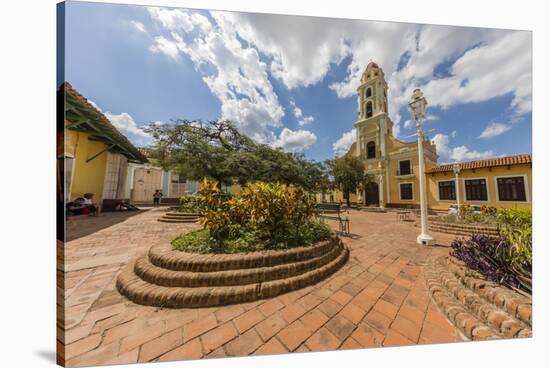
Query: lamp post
(456, 169)
(418, 110)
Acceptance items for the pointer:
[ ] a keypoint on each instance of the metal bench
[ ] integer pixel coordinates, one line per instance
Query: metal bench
(333, 211)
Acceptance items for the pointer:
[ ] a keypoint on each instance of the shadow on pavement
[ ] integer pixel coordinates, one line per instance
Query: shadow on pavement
(79, 226)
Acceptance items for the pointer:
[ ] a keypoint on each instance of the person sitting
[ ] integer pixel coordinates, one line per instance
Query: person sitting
(89, 204)
(127, 206)
(76, 207)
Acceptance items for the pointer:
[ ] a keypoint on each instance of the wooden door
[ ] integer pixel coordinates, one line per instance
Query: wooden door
(146, 181)
(371, 195)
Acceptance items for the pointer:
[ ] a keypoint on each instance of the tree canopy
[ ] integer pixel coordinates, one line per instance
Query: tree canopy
(348, 175)
(217, 150)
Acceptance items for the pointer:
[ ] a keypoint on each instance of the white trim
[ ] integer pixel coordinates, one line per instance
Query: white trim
(400, 197)
(525, 181)
(438, 195)
(68, 191)
(486, 188)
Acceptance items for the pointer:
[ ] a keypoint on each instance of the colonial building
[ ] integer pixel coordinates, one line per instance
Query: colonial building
(499, 182)
(92, 152)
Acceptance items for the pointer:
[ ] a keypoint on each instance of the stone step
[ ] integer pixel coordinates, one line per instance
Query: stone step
(166, 277)
(164, 256)
(181, 214)
(178, 220)
(478, 317)
(141, 292)
(515, 304)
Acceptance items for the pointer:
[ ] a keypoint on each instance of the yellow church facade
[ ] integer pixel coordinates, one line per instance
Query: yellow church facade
(394, 164)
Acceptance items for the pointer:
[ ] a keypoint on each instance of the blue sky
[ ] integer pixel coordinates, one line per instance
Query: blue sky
(290, 81)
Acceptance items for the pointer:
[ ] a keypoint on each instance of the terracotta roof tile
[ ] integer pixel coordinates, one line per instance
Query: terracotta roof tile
(67, 88)
(491, 162)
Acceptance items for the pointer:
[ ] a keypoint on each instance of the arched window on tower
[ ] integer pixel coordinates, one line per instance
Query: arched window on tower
(369, 93)
(369, 109)
(371, 150)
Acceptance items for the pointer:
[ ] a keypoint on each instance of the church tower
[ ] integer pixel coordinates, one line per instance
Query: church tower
(391, 163)
(373, 123)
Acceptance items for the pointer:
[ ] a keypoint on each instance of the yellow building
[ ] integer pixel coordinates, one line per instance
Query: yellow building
(499, 182)
(95, 154)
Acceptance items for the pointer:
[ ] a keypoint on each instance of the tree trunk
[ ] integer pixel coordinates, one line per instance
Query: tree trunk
(346, 196)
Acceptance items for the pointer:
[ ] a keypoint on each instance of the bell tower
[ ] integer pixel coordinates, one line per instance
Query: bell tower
(372, 93)
(374, 129)
(373, 124)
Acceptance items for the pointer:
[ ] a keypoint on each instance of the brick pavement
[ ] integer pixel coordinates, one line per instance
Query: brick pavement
(379, 298)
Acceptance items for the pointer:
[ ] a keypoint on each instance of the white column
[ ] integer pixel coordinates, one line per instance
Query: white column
(381, 191)
(457, 188)
(424, 238)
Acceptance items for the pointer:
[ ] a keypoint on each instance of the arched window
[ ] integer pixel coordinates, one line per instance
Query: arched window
(371, 150)
(369, 93)
(369, 109)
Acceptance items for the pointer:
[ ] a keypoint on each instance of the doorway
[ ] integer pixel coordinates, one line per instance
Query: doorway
(371, 194)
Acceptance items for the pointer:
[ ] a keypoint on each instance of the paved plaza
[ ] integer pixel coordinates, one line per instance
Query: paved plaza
(379, 298)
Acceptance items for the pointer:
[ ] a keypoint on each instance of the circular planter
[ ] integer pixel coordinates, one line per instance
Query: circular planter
(180, 217)
(173, 279)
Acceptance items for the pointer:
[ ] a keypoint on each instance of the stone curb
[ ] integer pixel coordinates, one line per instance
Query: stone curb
(141, 292)
(475, 316)
(178, 220)
(164, 277)
(457, 314)
(163, 256)
(513, 303)
(461, 229)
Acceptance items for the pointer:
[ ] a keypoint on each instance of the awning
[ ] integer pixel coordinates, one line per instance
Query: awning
(82, 116)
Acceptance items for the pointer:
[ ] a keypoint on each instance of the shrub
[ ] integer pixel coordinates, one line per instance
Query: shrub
(488, 210)
(516, 227)
(250, 240)
(506, 259)
(262, 216)
(190, 204)
(487, 255)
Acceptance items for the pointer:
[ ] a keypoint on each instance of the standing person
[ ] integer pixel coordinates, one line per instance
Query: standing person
(156, 198)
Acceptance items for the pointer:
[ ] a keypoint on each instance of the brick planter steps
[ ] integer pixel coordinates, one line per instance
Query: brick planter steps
(458, 229)
(173, 279)
(480, 309)
(179, 217)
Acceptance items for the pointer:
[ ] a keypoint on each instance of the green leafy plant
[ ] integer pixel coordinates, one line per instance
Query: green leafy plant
(505, 259)
(189, 204)
(262, 216)
(488, 210)
(516, 227)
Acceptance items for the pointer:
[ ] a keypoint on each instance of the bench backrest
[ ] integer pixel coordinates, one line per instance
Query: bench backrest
(329, 207)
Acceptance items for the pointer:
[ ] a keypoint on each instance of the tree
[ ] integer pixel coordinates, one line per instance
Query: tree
(217, 150)
(348, 174)
(197, 149)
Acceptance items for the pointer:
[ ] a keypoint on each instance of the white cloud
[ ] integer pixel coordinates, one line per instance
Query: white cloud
(456, 154)
(494, 129)
(138, 26)
(95, 105)
(452, 65)
(294, 140)
(165, 46)
(453, 134)
(342, 145)
(408, 124)
(127, 125)
(299, 115)
(234, 72)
